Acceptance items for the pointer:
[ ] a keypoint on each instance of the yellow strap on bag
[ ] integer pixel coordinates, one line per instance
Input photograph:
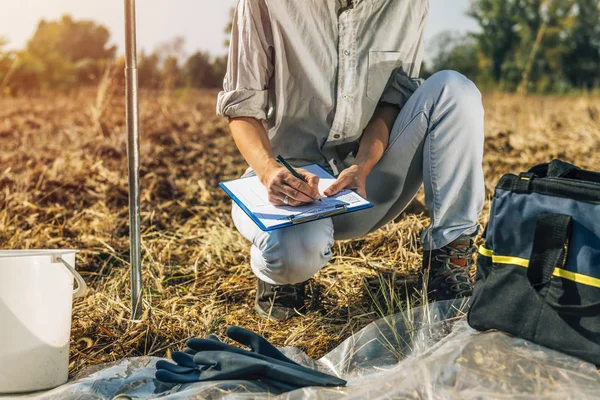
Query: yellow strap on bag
(523, 262)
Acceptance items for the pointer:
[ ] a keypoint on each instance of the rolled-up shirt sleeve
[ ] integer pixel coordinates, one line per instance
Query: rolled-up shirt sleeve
(399, 88)
(250, 63)
(402, 84)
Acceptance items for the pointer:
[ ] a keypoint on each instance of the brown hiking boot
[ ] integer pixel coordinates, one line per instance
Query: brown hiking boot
(277, 302)
(447, 271)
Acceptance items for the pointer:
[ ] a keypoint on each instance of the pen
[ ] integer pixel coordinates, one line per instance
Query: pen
(291, 169)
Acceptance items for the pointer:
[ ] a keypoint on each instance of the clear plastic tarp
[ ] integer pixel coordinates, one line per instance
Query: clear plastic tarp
(425, 353)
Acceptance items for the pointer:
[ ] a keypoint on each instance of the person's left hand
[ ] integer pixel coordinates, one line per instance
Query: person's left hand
(351, 178)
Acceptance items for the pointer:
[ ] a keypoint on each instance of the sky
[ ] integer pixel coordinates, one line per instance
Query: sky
(200, 22)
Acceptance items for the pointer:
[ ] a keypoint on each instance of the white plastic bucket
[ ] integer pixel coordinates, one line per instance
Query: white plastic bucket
(36, 294)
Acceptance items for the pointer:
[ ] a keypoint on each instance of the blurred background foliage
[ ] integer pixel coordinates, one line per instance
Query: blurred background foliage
(68, 54)
(547, 46)
(541, 46)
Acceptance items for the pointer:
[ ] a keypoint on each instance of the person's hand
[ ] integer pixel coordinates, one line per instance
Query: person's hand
(351, 178)
(281, 183)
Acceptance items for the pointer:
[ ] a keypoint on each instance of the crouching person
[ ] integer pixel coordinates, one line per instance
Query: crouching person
(334, 82)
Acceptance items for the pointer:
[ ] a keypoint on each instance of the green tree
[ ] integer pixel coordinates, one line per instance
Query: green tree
(457, 52)
(171, 73)
(539, 45)
(61, 54)
(220, 69)
(582, 60)
(71, 51)
(199, 71)
(149, 74)
(538, 62)
(499, 36)
(72, 40)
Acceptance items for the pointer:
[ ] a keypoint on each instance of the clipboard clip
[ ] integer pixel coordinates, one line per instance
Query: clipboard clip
(299, 218)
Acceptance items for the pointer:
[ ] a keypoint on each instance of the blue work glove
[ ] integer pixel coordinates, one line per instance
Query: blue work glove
(213, 365)
(209, 359)
(187, 371)
(255, 342)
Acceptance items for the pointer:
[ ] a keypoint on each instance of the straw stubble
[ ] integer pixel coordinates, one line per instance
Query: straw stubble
(63, 184)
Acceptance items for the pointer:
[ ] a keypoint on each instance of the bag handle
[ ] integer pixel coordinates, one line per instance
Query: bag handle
(555, 168)
(550, 243)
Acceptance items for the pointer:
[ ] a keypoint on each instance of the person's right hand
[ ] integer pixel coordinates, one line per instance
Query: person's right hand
(281, 183)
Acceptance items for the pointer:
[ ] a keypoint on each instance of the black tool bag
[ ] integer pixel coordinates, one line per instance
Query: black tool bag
(538, 274)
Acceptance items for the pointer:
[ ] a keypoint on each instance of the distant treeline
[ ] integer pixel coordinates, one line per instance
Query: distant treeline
(66, 54)
(530, 45)
(526, 45)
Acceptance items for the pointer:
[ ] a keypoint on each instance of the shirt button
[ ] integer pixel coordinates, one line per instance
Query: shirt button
(334, 162)
(336, 136)
(345, 97)
(346, 52)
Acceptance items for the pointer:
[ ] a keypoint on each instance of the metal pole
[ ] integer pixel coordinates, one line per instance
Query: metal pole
(133, 156)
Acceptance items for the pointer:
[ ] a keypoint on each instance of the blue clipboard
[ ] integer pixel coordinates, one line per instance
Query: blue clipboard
(300, 217)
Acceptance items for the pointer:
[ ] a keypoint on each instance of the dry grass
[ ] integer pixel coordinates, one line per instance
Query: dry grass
(63, 184)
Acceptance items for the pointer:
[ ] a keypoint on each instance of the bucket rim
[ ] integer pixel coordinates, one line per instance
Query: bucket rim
(35, 252)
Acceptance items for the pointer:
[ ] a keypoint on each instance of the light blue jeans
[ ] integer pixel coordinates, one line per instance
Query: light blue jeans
(437, 140)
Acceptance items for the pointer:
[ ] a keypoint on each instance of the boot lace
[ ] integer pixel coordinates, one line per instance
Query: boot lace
(455, 271)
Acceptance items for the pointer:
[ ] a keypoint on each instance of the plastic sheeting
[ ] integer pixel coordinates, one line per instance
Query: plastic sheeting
(425, 353)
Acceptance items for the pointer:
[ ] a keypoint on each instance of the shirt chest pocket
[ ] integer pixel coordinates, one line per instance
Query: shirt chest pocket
(381, 66)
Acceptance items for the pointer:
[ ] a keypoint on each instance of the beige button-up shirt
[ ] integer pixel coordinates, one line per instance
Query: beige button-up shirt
(314, 70)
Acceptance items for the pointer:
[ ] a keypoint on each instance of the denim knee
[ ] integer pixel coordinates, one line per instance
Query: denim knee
(294, 255)
(456, 84)
(460, 96)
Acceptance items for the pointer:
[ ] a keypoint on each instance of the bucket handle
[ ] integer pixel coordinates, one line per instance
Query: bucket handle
(81, 288)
